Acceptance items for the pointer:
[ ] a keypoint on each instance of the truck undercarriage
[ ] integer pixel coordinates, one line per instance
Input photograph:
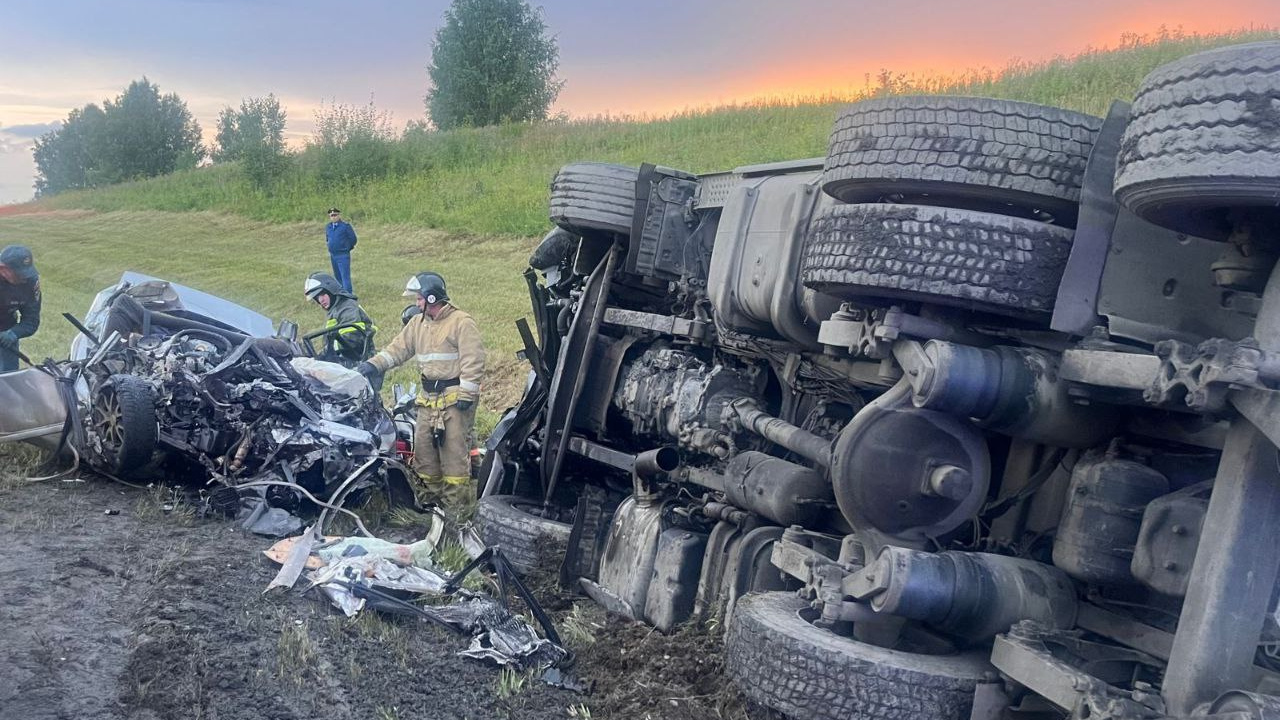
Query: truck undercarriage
(973, 417)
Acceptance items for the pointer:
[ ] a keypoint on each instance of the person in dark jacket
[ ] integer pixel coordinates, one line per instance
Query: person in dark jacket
(341, 238)
(19, 302)
(351, 338)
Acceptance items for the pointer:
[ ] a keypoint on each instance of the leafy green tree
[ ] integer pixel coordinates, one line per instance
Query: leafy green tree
(139, 134)
(350, 143)
(63, 156)
(254, 136)
(146, 134)
(491, 62)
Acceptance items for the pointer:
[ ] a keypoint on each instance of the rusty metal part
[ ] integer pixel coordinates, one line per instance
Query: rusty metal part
(1106, 369)
(797, 440)
(664, 324)
(1015, 391)
(1235, 569)
(655, 462)
(969, 595)
(886, 460)
(573, 367)
(671, 394)
(853, 330)
(871, 332)
(1101, 517)
(784, 492)
(1202, 376)
(1167, 541)
(1077, 675)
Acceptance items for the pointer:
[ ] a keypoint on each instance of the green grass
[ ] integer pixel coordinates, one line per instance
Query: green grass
(494, 180)
(263, 266)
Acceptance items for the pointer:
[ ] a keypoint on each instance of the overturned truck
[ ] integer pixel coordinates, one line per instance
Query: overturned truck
(973, 417)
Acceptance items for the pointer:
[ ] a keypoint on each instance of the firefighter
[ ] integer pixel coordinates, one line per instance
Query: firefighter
(445, 343)
(19, 302)
(350, 339)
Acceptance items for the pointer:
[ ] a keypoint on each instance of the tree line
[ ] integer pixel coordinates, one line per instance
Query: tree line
(492, 62)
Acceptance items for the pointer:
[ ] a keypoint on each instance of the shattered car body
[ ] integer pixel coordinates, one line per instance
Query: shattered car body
(175, 378)
(33, 409)
(973, 415)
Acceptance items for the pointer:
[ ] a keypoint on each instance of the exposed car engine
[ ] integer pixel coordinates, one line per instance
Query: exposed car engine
(191, 396)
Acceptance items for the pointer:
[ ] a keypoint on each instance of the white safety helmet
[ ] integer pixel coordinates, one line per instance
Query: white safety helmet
(318, 282)
(428, 285)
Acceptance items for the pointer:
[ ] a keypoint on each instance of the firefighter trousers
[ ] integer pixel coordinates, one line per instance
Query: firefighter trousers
(442, 456)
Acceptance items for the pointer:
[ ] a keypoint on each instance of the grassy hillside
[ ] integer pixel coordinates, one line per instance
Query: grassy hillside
(469, 204)
(494, 180)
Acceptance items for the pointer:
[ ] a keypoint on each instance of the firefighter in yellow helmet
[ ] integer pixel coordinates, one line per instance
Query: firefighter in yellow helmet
(446, 344)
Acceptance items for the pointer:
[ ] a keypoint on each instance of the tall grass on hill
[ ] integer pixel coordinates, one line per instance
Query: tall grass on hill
(494, 180)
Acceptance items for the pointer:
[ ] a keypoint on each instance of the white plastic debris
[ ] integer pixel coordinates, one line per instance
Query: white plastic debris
(336, 378)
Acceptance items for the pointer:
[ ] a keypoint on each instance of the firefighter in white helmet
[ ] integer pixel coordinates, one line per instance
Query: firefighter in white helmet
(349, 331)
(445, 342)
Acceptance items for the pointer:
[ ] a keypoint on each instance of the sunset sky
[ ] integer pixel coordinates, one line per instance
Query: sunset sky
(650, 57)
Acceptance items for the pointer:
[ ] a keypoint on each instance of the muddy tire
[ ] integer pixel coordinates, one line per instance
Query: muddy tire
(995, 155)
(556, 247)
(778, 659)
(123, 415)
(528, 541)
(587, 197)
(1202, 141)
(979, 261)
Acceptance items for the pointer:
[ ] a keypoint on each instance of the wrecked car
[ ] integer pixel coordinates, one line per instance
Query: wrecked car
(973, 416)
(173, 380)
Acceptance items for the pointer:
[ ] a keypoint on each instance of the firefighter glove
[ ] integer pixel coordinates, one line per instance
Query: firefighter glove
(8, 340)
(367, 369)
(465, 405)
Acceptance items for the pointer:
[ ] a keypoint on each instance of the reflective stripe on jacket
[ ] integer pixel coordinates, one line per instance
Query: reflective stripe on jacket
(444, 348)
(353, 340)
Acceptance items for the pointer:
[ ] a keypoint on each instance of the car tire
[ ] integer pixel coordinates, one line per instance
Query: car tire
(594, 197)
(979, 261)
(1201, 142)
(529, 542)
(1000, 156)
(124, 417)
(780, 660)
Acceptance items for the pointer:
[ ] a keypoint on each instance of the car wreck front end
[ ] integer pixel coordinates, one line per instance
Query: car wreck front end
(173, 382)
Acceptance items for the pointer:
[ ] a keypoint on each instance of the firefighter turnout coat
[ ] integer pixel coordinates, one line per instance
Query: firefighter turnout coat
(445, 349)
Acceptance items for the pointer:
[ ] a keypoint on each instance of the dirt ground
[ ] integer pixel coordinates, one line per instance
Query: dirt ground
(113, 606)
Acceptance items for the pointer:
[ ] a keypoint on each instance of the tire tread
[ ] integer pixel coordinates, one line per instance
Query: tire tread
(1030, 153)
(971, 259)
(1203, 135)
(779, 660)
(587, 197)
(528, 541)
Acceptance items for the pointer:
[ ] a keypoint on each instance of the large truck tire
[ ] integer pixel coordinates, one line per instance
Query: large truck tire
(593, 197)
(528, 541)
(992, 263)
(1202, 141)
(780, 660)
(1000, 156)
(123, 415)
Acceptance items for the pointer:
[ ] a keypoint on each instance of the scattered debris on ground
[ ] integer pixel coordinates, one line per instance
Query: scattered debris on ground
(126, 603)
